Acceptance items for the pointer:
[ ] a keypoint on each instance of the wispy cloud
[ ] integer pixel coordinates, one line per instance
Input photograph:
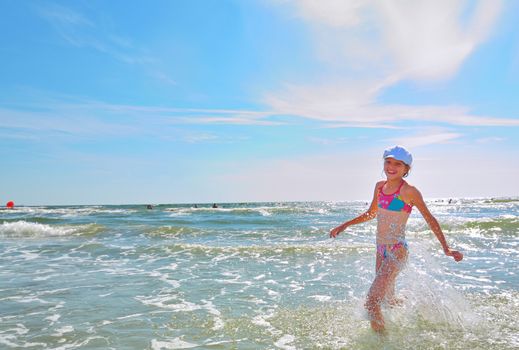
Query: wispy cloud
(415, 39)
(59, 122)
(172, 115)
(81, 31)
(385, 43)
(62, 17)
(329, 141)
(212, 138)
(66, 117)
(431, 39)
(347, 106)
(426, 138)
(486, 140)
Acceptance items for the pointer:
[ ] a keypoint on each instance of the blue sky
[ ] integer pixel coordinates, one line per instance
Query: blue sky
(217, 101)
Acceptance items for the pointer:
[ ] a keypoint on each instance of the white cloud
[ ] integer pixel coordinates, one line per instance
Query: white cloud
(417, 39)
(62, 16)
(336, 13)
(429, 40)
(190, 137)
(426, 138)
(491, 139)
(371, 45)
(360, 126)
(65, 117)
(58, 122)
(329, 141)
(355, 106)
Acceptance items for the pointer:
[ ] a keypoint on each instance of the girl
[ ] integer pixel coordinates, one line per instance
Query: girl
(392, 203)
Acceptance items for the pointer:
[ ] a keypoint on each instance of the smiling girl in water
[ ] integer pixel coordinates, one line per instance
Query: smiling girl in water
(393, 201)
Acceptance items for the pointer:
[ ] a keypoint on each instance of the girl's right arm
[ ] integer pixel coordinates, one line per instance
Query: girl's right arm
(371, 213)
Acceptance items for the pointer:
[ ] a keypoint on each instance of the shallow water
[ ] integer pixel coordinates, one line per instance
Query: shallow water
(253, 275)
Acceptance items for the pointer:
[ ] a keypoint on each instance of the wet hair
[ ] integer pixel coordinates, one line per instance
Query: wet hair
(408, 170)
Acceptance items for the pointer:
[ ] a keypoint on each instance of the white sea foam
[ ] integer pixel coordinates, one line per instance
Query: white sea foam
(284, 341)
(321, 298)
(169, 302)
(53, 318)
(29, 255)
(254, 210)
(218, 322)
(12, 341)
(129, 316)
(71, 211)
(63, 330)
(261, 320)
(175, 343)
(258, 301)
(25, 299)
(77, 344)
(43, 278)
(32, 229)
(25, 229)
(19, 329)
(164, 277)
(295, 286)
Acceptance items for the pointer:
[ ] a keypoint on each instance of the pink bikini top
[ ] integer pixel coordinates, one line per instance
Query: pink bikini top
(394, 201)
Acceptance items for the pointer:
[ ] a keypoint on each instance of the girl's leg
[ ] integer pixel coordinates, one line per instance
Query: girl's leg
(390, 294)
(384, 279)
(378, 262)
(391, 298)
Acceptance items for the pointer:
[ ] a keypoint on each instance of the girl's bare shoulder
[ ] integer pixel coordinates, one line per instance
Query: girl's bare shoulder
(409, 190)
(379, 184)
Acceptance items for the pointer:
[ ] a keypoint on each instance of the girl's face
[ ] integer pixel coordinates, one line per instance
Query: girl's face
(395, 169)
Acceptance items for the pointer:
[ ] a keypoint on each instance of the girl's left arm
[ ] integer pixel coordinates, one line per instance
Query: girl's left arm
(417, 200)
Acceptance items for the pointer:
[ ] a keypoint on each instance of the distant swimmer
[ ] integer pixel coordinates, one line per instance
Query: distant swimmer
(392, 203)
(149, 206)
(215, 206)
(196, 206)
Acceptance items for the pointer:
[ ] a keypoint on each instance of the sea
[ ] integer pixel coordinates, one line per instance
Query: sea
(252, 276)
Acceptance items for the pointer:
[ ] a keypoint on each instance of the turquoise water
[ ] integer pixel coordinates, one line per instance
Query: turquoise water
(251, 276)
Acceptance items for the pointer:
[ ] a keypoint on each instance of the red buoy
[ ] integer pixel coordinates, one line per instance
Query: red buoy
(10, 205)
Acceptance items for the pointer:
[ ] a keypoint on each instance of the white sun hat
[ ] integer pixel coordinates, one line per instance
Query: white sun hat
(399, 153)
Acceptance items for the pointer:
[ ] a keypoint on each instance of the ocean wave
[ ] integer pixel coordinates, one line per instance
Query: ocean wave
(173, 231)
(269, 233)
(504, 225)
(502, 200)
(35, 219)
(20, 229)
(70, 211)
(247, 211)
(281, 249)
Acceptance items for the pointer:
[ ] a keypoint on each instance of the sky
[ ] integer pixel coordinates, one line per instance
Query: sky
(198, 101)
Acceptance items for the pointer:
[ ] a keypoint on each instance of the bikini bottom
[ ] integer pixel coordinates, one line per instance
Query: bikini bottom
(386, 250)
